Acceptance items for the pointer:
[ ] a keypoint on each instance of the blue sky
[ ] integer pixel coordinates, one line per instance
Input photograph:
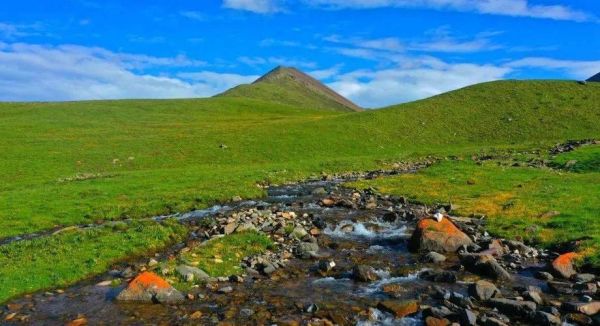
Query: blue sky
(376, 52)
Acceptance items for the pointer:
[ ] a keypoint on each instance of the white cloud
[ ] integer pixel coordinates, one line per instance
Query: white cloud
(421, 78)
(573, 68)
(442, 40)
(10, 31)
(50, 73)
(515, 8)
(256, 6)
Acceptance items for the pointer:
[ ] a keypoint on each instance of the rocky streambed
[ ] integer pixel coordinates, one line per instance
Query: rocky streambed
(341, 257)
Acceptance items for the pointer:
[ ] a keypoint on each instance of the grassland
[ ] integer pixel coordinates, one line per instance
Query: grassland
(82, 162)
(542, 206)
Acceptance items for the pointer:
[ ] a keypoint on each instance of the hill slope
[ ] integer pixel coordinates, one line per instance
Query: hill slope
(290, 86)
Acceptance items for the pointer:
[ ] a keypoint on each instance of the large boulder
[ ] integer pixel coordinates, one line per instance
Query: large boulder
(443, 236)
(149, 287)
(563, 265)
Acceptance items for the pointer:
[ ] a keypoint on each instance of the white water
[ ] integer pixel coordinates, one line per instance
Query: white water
(383, 230)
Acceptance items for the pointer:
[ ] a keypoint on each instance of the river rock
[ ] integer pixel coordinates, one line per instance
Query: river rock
(485, 265)
(584, 278)
(438, 276)
(436, 236)
(399, 309)
(588, 308)
(307, 250)
(546, 319)
(483, 290)
(468, 317)
(299, 232)
(149, 287)
(229, 228)
(563, 265)
(513, 307)
(364, 273)
(434, 258)
(432, 321)
(197, 273)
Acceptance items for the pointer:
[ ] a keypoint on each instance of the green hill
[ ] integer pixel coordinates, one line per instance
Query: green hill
(290, 86)
(82, 162)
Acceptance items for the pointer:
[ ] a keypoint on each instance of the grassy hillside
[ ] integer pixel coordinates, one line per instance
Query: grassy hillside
(81, 162)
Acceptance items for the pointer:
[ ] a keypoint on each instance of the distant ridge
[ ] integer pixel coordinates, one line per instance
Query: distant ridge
(291, 86)
(594, 78)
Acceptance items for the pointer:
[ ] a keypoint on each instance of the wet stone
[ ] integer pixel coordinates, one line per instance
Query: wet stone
(364, 273)
(483, 290)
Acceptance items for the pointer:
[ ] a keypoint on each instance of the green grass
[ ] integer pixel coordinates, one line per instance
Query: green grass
(584, 159)
(60, 260)
(222, 256)
(516, 200)
(82, 162)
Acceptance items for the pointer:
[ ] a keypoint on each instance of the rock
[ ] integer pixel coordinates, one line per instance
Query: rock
(588, 308)
(483, 290)
(436, 236)
(269, 269)
(399, 309)
(320, 191)
(485, 265)
(468, 317)
(432, 321)
(299, 232)
(390, 217)
(226, 289)
(438, 312)
(521, 247)
(364, 273)
(491, 321)
(229, 228)
(82, 321)
(438, 276)
(152, 262)
(563, 265)
(392, 288)
(495, 248)
(513, 307)
(327, 202)
(196, 315)
(544, 276)
(534, 296)
(306, 250)
(561, 287)
(326, 265)
(149, 287)
(434, 257)
(579, 319)
(584, 278)
(197, 273)
(546, 319)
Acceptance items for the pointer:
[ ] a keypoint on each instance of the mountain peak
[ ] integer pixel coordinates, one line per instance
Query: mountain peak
(291, 86)
(594, 78)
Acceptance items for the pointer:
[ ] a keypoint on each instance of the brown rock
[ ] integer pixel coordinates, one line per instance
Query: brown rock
(444, 236)
(196, 315)
(327, 202)
(78, 322)
(399, 308)
(432, 321)
(563, 264)
(589, 308)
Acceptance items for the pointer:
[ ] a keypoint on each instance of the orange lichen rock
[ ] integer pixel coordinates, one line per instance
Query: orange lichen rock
(442, 236)
(399, 308)
(149, 287)
(563, 264)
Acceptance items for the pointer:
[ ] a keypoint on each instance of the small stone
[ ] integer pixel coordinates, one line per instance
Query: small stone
(226, 289)
(468, 317)
(196, 315)
(545, 318)
(534, 296)
(434, 257)
(588, 308)
(584, 278)
(152, 262)
(485, 265)
(364, 273)
(432, 321)
(483, 290)
(544, 276)
(513, 307)
(82, 321)
(229, 228)
(10, 316)
(399, 309)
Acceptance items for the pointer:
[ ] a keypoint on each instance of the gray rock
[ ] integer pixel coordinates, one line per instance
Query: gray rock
(269, 269)
(306, 250)
(546, 319)
(299, 232)
(245, 227)
(468, 317)
(534, 296)
(434, 257)
(491, 321)
(544, 276)
(197, 273)
(514, 307)
(438, 276)
(227, 289)
(485, 265)
(364, 273)
(320, 191)
(483, 290)
(584, 278)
